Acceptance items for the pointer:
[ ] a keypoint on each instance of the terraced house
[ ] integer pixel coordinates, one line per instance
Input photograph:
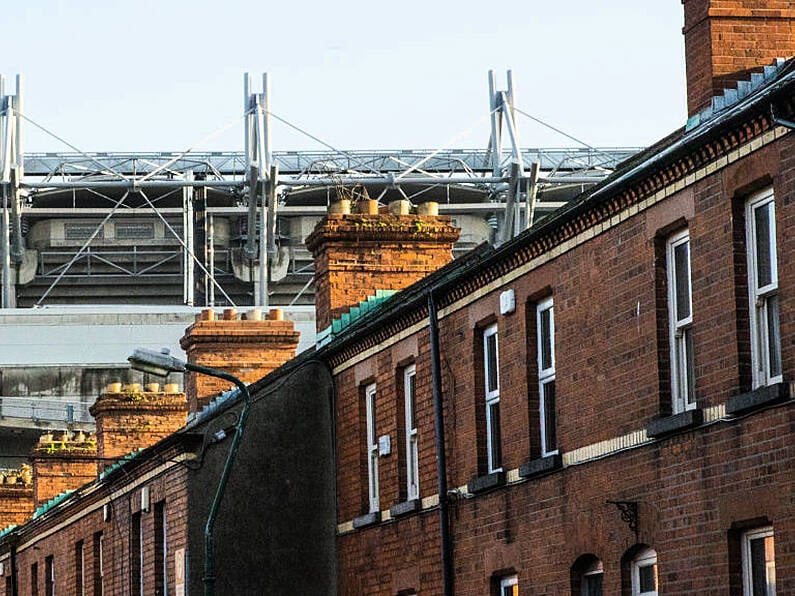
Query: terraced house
(613, 385)
(602, 405)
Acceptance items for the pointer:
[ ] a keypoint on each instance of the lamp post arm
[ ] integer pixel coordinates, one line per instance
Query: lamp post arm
(209, 559)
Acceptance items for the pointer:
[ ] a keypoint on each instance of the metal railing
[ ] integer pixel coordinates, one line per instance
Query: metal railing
(37, 409)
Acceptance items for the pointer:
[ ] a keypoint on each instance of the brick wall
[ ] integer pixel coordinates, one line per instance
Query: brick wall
(694, 489)
(129, 418)
(358, 253)
(726, 39)
(248, 347)
(89, 523)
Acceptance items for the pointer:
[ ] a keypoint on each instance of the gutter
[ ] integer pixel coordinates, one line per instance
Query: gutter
(780, 121)
(13, 563)
(446, 543)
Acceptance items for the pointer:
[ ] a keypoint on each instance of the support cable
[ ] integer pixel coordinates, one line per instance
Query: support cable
(104, 167)
(83, 248)
(185, 246)
(93, 192)
(565, 134)
(195, 146)
(326, 145)
(445, 146)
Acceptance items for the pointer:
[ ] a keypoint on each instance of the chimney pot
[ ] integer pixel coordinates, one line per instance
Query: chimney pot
(401, 207)
(171, 388)
(367, 207)
(255, 314)
(341, 207)
(153, 387)
(429, 208)
(276, 314)
(207, 314)
(230, 314)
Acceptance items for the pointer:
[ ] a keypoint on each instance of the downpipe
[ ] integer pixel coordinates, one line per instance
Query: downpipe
(441, 463)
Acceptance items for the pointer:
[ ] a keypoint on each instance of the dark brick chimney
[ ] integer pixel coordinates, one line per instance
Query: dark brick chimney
(726, 40)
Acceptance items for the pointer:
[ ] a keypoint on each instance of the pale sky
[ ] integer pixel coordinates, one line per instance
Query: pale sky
(149, 75)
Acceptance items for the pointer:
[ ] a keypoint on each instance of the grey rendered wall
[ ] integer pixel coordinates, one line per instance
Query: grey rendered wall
(276, 529)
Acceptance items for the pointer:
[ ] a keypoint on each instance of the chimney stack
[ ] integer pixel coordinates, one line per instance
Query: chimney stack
(359, 253)
(130, 417)
(247, 347)
(62, 461)
(726, 40)
(16, 496)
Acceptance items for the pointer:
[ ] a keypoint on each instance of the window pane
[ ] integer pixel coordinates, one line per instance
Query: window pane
(412, 401)
(509, 586)
(591, 585)
(491, 362)
(545, 343)
(647, 578)
(371, 438)
(550, 436)
(682, 280)
(773, 336)
(762, 218)
(688, 368)
(758, 567)
(494, 436)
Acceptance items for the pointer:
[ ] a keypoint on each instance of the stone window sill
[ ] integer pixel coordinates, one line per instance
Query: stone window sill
(368, 519)
(405, 508)
(540, 466)
(480, 484)
(758, 398)
(666, 425)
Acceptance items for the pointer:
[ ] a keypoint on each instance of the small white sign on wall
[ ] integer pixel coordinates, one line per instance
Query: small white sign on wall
(507, 302)
(179, 572)
(384, 445)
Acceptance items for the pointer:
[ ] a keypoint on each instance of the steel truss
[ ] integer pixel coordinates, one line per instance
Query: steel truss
(261, 183)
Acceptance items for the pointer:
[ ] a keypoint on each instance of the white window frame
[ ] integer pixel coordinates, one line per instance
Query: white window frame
(760, 298)
(49, 573)
(412, 436)
(546, 375)
(770, 567)
(512, 582)
(372, 449)
(141, 554)
(596, 569)
(101, 563)
(492, 397)
(680, 329)
(645, 558)
(81, 572)
(164, 562)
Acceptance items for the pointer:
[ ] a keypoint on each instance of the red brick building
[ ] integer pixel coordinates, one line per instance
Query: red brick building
(124, 512)
(615, 382)
(602, 405)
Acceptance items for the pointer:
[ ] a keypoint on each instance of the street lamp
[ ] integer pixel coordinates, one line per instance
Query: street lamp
(161, 363)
